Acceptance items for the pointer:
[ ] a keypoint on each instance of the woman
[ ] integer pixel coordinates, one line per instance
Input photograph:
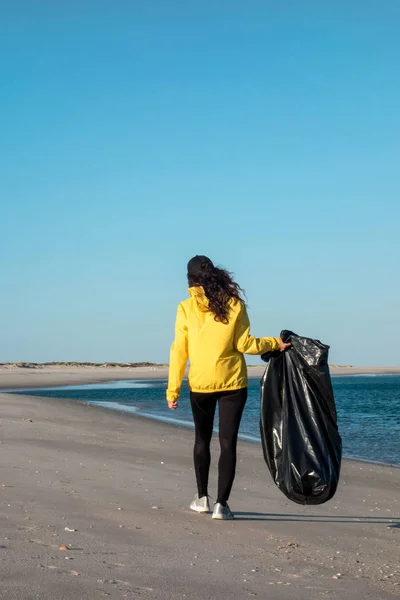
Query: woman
(213, 332)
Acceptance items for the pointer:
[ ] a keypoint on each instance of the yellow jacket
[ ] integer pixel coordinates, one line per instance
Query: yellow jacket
(215, 349)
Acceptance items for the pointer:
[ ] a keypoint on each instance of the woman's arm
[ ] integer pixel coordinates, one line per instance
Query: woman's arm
(178, 356)
(248, 344)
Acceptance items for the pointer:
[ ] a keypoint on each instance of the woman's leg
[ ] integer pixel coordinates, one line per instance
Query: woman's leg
(231, 405)
(203, 408)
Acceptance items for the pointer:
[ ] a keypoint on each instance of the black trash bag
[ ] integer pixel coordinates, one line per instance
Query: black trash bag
(300, 438)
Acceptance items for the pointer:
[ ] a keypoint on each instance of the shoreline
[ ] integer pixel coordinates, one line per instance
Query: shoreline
(115, 492)
(55, 378)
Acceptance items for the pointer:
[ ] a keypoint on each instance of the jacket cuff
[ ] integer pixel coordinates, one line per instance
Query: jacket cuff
(172, 396)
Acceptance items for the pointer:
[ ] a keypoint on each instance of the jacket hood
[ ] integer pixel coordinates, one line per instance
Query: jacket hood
(197, 293)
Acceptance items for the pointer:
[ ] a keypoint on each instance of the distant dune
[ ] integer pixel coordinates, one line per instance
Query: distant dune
(33, 365)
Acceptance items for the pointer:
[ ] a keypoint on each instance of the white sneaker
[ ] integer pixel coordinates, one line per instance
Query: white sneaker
(222, 512)
(201, 505)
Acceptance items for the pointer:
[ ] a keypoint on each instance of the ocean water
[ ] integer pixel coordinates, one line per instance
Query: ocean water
(368, 409)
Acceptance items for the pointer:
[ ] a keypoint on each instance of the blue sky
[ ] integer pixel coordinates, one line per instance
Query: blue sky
(136, 134)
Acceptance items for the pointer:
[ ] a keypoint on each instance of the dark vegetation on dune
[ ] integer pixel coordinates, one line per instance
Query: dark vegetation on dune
(32, 365)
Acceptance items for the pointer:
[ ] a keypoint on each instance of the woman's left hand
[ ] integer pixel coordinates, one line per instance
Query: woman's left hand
(173, 405)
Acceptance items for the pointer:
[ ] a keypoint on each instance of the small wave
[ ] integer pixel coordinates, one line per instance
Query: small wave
(132, 385)
(115, 406)
(106, 385)
(249, 438)
(368, 375)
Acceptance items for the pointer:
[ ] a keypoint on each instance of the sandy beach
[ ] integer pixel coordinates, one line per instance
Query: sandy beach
(112, 491)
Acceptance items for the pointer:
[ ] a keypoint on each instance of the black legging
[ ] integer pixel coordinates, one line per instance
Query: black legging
(230, 406)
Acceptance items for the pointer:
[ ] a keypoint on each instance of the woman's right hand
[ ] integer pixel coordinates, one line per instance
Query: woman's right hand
(173, 405)
(283, 346)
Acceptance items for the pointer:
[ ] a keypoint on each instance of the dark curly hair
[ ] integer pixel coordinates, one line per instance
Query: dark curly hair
(218, 284)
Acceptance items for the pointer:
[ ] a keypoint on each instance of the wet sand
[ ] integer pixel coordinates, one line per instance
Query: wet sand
(124, 484)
